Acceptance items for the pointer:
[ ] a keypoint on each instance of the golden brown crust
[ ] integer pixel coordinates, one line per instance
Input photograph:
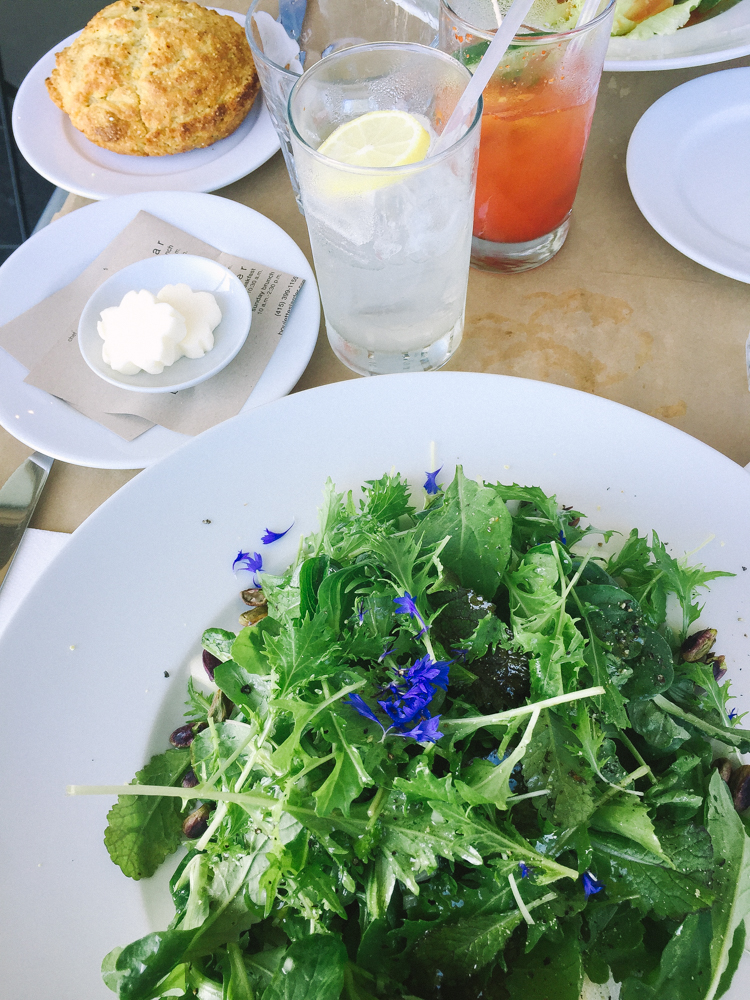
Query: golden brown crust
(152, 77)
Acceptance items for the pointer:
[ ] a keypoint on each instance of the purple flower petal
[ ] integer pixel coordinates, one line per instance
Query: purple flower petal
(732, 714)
(361, 612)
(425, 731)
(591, 885)
(430, 484)
(274, 536)
(405, 606)
(525, 870)
(252, 563)
(360, 705)
(562, 538)
(389, 647)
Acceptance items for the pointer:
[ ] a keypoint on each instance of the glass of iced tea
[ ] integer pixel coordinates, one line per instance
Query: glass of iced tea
(537, 115)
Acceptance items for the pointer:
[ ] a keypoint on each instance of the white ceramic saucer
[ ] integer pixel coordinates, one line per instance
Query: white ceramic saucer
(689, 170)
(151, 274)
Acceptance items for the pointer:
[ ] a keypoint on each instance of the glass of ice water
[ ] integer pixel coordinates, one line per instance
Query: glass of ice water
(289, 36)
(391, 244)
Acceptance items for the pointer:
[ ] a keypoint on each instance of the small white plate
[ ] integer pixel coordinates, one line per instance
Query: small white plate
(202, 275)
(718, 39)
(57, 254)
(62, 154)
(688, 168)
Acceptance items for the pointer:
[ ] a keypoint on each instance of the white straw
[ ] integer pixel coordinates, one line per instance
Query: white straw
(588, 11)
(487, 66)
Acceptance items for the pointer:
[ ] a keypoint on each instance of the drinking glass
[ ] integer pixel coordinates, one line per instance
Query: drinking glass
(328, 26)
(537, 116)
(391, 244)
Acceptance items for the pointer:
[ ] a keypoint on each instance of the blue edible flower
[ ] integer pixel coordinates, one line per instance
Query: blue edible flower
(591, 885)
(358, 702)
(434, 672)
(425, 731)
(361, 612)
(405, 606)
(388, 649)
(562, 538)
(525, 870)
(430, 484)
(252, 563)
(274, 536)
(405, 699)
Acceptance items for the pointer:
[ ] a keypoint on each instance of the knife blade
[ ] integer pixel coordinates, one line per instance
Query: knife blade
(18, 498)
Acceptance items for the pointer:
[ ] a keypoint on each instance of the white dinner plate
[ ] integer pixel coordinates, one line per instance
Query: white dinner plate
(84, 658)
(718, 39)
(58, 253)
(688, 168)
(62, 154)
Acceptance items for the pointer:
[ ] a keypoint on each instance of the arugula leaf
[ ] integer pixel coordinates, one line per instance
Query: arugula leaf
(348, 777)
(479, 525)
(218, 642)
(311, 574)
(685, 966)
(143, 830)
(338, 593)
(549, 764)
(629, 819)
(630, 871)
(312, 968)
(553, 968)
(248, 649)
(731, 884)
(302, 653)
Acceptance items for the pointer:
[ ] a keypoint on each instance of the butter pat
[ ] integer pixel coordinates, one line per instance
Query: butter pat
(201, 313)
(149, 332)
(141, 333)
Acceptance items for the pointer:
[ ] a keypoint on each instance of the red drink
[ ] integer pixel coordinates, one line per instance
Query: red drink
(538, 108)
(530, 158)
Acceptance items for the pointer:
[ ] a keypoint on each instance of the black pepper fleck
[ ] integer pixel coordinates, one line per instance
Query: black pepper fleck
(206, 520)
(166, 673)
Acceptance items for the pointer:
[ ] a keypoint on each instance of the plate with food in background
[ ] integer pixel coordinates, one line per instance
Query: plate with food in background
(367, 840)
(659, 34)
(189, 116)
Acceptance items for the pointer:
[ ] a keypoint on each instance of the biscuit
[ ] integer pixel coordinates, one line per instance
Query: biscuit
(152, 77)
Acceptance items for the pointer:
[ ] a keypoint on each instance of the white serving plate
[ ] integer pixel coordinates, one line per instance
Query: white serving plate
(55, 255)
(688, 166)
(62, 154)
(83, 659)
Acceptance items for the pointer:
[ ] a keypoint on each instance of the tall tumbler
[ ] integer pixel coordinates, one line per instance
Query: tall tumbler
(391, 244)
(283, 47)
(537, 116)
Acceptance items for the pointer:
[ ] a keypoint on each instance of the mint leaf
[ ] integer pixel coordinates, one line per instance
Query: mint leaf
(143, 830)
(479, 525)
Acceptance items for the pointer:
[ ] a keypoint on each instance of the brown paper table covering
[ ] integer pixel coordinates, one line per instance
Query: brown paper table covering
(618, 312)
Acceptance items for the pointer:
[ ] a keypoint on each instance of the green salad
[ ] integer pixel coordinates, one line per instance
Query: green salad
(456, 752)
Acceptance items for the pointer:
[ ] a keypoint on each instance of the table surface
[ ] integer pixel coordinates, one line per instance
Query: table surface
(618, 312)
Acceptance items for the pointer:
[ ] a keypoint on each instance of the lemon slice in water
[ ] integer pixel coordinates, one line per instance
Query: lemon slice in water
(378, 139)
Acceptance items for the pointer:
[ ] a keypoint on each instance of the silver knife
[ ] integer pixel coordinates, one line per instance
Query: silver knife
(18, 498)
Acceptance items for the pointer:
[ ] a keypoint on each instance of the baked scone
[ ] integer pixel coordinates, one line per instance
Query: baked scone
(151, 77)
